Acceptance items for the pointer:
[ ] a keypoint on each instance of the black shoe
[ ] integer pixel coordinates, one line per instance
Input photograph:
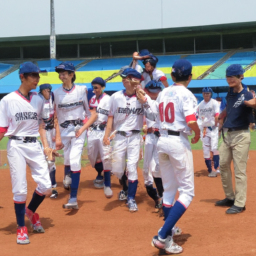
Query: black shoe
(54, 194)
(235, 209)
(225, 202)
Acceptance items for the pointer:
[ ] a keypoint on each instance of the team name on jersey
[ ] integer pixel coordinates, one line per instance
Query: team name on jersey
(205, 110)
(70, 105)
(102, 111)
(25, 116)
(128, 111)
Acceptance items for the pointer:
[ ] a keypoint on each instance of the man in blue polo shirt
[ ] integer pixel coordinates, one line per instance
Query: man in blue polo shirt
(236, 142)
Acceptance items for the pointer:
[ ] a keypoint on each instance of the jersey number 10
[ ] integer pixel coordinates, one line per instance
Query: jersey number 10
(167, 114)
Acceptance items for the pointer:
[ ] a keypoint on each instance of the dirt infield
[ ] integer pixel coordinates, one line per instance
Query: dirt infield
(105, 227)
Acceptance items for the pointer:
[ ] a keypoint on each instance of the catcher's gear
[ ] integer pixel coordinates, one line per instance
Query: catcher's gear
(152, 60)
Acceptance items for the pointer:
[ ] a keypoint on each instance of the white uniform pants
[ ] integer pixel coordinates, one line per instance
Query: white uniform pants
(176, 167)
(151, 162)
(73, 148)
(96, 151)
(210, 142)
(126, 148)
(50, 134)
(19, 154)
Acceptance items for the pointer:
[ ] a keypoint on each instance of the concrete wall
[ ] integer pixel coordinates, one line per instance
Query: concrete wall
(32, 17)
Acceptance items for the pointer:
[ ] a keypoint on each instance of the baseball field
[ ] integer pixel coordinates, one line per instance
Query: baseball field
(105, 226)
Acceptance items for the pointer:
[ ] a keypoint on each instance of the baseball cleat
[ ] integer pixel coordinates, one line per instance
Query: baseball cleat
(158, 204)
(108, 192)
(176, 231)
(71, 204)
(22, 235)
(122, 195)
(166, 244)
(98, 183)
(171, 247)
(35, 221)
(212, 174)
(54, 194)
(67, 182)
(132, 205)
(156, 242)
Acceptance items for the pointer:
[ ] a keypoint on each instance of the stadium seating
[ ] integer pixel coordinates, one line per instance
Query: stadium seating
(87, 70)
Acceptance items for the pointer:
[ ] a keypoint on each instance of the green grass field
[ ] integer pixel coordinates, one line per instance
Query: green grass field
(4, 141)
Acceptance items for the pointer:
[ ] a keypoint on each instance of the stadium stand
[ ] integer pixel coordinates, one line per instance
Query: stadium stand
(87, 69)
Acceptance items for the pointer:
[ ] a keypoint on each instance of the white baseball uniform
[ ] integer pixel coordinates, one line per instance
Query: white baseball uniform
(207, 111)
(175, 107)
(20, 117)
(128, 121)
(156, 75)
(95, 149)
(72, 108)
(151, 162)
(48, 119)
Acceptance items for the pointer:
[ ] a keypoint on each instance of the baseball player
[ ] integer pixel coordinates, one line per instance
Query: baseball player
(72, 108)
(21, 112)
(126, 116)
(149, 72)
(151, 171)
(208, 112)
(48, 118)
(99, 103)
(175, 108)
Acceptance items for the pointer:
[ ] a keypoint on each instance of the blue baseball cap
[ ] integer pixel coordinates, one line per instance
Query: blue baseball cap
(153, 84)
(132, 72)
(181, 68)
(29, 67)
(45, 86)
(207, 89)
(234, 70)
(98, 80)
(66, 65)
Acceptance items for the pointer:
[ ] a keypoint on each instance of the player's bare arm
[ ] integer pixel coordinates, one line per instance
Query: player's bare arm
(47, 150)
(2, 135)
(58, 143)
(91, 120)
(194, 126)
(108, 130)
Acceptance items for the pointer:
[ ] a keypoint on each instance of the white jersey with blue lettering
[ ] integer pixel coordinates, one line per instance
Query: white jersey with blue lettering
(127, 111)
(71, 105)
(102, 106)
(21, 116)
(207, 111)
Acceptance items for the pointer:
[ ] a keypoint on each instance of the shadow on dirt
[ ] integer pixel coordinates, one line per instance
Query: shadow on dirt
(71, 212)
(12, 228)
(213, 201)
(201, 173)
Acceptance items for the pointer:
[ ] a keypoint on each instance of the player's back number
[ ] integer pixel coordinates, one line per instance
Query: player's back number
(167, 114)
